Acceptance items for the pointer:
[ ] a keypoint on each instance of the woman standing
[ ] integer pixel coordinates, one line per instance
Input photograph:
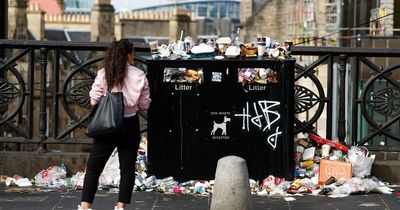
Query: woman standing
(119, 75)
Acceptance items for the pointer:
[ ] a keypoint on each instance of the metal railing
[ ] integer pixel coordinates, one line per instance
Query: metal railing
(44, 89)
(368, 93)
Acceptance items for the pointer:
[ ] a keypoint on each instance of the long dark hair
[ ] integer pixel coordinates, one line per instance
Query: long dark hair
(115, 62)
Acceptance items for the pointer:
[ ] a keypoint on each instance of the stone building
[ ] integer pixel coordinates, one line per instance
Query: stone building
(300, 21)
(102, 24)
(325, 23)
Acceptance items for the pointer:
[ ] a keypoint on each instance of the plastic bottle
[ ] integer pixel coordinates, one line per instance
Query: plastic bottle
(236, 41)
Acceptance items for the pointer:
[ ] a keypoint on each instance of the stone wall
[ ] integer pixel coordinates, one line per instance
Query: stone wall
(142, 24)
(17, 20)
(67, 21)
(34, 162)
(141, 28)
(35, 18)
(270, 20)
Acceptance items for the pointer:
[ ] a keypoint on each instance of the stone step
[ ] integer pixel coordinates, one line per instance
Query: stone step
(387, 170)
(386, 155)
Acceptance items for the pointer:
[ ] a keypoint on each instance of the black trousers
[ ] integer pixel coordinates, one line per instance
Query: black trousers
(127, 143)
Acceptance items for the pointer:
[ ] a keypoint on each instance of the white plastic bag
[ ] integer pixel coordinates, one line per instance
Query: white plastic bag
(361, 161)
(48, 176)
(111, 172)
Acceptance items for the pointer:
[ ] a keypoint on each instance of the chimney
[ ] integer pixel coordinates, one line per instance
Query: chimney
(102, 21)
(17, 21)
(36, 21)
(246, 10)
(180, 21)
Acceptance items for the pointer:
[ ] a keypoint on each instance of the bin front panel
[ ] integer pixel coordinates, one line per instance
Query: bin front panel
(200, 123)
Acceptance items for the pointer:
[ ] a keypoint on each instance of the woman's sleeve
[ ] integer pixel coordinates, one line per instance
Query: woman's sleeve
(97, 90)
(144, 99)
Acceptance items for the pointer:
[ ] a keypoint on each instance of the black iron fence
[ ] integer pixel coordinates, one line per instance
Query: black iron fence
(352, 94)
(360, 97)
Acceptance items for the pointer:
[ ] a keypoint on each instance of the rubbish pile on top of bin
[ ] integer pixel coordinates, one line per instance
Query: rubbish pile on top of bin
(223, 47)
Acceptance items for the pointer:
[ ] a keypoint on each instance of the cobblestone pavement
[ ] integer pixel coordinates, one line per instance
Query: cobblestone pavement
(15, 198)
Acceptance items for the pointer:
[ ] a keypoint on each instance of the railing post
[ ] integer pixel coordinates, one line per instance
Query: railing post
(31, 86)
(355, 102)
(342, 103)
(43, 115)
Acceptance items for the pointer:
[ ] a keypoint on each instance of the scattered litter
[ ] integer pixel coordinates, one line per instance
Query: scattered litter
(289, 199)
(320, 170)
(369, 205)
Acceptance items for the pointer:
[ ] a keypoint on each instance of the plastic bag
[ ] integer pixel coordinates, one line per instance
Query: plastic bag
(361, 161)
(51, 174)
(111, 171)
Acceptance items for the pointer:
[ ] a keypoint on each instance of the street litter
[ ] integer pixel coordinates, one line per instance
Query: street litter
(322, 169)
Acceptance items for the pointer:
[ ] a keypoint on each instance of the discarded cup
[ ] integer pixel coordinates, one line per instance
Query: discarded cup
(153, 47)
(261, 46)
(325, 150)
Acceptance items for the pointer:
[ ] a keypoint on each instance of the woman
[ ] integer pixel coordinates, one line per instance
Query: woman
(118, 74)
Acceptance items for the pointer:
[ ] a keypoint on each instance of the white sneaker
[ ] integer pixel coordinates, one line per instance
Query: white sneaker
(79, 208)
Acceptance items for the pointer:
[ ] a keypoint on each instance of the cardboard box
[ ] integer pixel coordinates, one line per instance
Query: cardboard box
(337, 169)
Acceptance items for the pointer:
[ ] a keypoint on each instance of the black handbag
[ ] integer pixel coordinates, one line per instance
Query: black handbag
(108, 116)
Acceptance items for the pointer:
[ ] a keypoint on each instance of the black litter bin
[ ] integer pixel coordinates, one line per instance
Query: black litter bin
(204, 109)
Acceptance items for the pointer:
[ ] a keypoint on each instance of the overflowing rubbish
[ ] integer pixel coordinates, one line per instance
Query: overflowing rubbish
(222, 47)
(322, 169)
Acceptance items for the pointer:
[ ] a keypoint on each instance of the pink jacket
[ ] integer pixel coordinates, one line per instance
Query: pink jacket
(136, 90)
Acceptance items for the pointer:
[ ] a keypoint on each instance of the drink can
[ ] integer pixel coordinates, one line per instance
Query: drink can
(307, 163)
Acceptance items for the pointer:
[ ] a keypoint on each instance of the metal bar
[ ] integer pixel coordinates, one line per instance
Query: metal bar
(3, 24)
(342, 93)
(354, 112)
(43, 115)
(31, 91)
(350, 52)
(11, 61)
(379, 130)
(56, 81)
(311, 67)
(329, 96)
(378, 70)
(51, 45)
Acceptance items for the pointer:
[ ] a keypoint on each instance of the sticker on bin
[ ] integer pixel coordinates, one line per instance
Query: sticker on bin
(220, 125)
(183, 75)
(216, 77)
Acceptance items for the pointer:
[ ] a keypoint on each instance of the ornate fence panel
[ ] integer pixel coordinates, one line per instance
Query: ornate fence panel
(44, 90)
(367, 99)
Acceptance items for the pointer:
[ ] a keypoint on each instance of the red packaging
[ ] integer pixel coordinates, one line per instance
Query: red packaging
(328, 142)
